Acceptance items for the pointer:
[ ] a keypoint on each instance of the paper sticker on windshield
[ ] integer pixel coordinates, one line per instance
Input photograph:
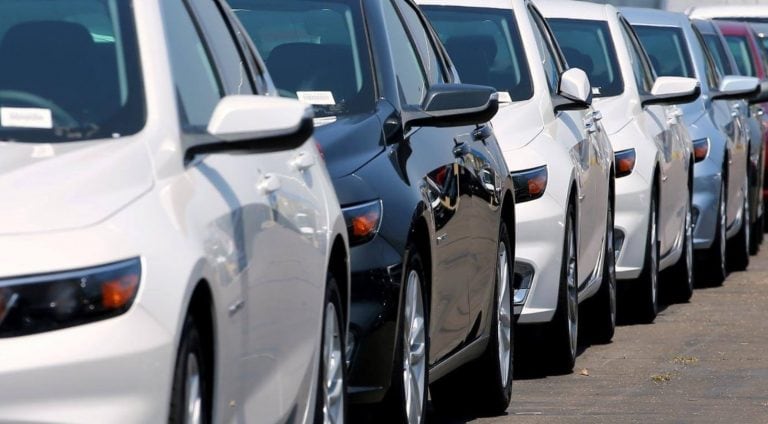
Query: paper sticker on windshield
(17, 117)
(504, 97)
(319, 98)
(596, 91)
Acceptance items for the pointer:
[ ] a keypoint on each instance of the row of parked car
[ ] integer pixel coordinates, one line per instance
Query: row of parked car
(267, 210)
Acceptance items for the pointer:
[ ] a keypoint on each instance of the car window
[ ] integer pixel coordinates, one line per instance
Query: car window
(223, 47)
(423, 41)
(549, 56)
(667, 50)
(719, 54)
(587, 45)
(642, 70)
(70, 71)
(315, 51)
(713, 74)
(198, 87)
(485, 47)
(411, 79)
(740, 50)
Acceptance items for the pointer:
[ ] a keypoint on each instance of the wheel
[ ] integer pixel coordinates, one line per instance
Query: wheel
(681, 274)
(602, 307)
(647, 286)
(756, 235)
(487, 381)
(738, 246)
(406, 400)
(190, 396)
(330, 407)
(562, 333)
(711, 264)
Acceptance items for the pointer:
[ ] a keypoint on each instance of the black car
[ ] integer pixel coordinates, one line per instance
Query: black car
(425, 191)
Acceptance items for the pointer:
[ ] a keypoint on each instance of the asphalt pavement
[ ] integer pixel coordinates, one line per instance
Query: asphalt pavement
(705, 361)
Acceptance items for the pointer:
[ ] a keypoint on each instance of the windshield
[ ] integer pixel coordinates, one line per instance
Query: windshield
(740, 50)
(485, 47)
(315, 51)
(718, 53)
(667, 49)
(69, 71)
(588, 45)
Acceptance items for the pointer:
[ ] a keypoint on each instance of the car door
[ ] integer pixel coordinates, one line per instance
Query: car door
(441, 158)
(276, 233)
(576, 130)
(658, 121)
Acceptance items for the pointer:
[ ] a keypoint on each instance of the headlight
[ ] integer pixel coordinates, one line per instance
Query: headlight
(700, 149)
(363, 221)
(35, 304)
(625, 162)
(530, 184)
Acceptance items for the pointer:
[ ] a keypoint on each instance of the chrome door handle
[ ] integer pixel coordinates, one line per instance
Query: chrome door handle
(303, 161)
(664, 178)
(270, 184)
(597, 116)
(590, 126)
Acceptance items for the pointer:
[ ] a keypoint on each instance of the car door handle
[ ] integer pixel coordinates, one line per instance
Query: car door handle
(736, 110)
(269, 184)
(664, 178)
(597, 116)
(590, 125)
(303, 161)
(461, 149)
(482, 133)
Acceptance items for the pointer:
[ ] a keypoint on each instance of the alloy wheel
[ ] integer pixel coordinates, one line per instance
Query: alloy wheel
(611, 253)
(333, 372)
(193, 401)
(723, 230)
(414, 350)
(504, 313)
(572, 287)
(689, 246)
(654, 277)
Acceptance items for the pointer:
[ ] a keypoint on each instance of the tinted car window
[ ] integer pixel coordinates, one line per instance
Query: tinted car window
(69, 71)
(667, 49)
(588, 45)
(485, 47)
(423, 42)
(315, 51)
(718, 53)
(197, 85)
(411, 79)
(551, 66)
(740, 51)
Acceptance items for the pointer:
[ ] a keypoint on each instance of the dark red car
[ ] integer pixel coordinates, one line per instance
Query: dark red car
(751, 61)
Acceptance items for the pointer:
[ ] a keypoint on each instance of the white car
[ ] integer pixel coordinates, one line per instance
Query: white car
(733, 12)
(654, 157)
(172, 247)
(560, 159)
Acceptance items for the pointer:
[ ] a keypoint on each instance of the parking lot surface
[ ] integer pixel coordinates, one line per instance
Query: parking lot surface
(701, 362)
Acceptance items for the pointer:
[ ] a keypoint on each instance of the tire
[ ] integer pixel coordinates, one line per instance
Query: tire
(738, 246)
(647, 286)
(191, 393)
(711, 265)
(487, 382)
(756, 235)
(331, 405)
(602, 308)
(402, 403)
(562, 333)
(680, 276)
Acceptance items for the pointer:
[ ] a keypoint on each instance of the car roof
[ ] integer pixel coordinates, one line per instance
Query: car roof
(761, 29)
(733, 27)
(575, 10)
(729, 11)
(704, 26)
(653, 17)
(490, 4)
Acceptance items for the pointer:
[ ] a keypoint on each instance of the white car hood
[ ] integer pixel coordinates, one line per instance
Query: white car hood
(52, 187)
(517, 124)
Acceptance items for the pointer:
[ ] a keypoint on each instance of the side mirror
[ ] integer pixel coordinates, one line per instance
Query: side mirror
(454, 105)
(761, 96)
(256, 123)
(575, 91)
(734, 87)
(672, 91)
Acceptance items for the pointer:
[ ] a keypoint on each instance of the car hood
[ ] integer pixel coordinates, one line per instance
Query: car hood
(616, 111)
(516, 125)
(53, 187)
(349, 142)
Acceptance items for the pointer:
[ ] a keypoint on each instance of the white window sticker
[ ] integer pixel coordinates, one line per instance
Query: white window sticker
(319, 98)
(16, 117)
(596, 91)
(504, 97)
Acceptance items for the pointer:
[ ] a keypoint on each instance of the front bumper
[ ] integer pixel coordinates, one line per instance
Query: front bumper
(633, 195)
(116, 370)
(375, 302)
(539, 250)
